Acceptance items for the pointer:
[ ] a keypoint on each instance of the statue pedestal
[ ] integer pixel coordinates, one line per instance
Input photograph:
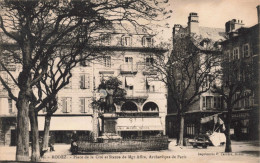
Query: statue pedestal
(109, 128)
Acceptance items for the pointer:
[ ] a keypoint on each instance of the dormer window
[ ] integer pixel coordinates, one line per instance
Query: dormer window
(126, 41)
(147, 41)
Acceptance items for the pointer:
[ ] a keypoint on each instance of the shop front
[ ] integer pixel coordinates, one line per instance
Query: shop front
(139, 127)
(244, 124)
(62, 127)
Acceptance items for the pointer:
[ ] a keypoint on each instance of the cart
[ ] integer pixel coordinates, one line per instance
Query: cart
(214, 137)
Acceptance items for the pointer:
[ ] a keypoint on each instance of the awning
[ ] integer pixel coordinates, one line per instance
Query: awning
(129, 81)
(139, 124)
(65, 123)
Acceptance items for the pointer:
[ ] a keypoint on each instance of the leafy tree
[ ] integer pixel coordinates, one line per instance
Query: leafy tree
(38, 28)
(115, 94)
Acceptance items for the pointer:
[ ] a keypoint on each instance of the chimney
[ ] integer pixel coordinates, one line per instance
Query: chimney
(258, 13)
(193, 23)
(175, 29)
(232, 26)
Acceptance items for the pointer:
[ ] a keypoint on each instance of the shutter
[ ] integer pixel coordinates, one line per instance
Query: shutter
(204, 102)
(69, 104)
(143, 41)
(64, 105)
(82, 82)
(79, 81)
(81, 104)
(86, 105)
(215, 102)
(123, 40)
(87, 81)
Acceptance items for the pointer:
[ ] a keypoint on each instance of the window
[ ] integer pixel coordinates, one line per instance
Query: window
(150, 85)
(150, 106)
(228, 56)
(207, 102)
(217, 102)
(105, 39)
(84, 104)
(150, 88)
(126, 41)
(236, 53)
(208, 80)
(129, 60)
(149, 61)
(107, 61)
(147, 41)
(66, 104)
(10, 105)
(246, 50)
(84, 81)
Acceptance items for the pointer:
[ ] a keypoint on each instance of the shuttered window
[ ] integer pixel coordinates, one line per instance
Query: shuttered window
(66, 104)
(84, 82)
(84, 104)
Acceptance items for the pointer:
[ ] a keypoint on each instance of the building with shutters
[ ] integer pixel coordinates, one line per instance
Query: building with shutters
(128, 56)
(206, 41)
(238, 43)
(242, 48)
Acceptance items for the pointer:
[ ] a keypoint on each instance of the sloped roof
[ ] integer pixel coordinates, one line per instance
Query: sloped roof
(215, 34)
(124, 28)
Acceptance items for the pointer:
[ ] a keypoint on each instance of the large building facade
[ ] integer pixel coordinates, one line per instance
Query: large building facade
(128, 57)
(206, 41)
(243, 45)
(238, 43)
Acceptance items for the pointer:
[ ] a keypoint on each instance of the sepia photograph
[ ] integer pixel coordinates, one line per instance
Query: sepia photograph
(129, 81)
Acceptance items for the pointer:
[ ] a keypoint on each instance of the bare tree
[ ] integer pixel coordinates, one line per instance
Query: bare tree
(239, 78)
(188, 72)
(37, 28)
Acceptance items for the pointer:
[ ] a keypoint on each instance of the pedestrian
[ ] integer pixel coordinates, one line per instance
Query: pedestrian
(51, 143)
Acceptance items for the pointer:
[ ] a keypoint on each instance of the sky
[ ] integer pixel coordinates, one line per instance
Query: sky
(213, 13)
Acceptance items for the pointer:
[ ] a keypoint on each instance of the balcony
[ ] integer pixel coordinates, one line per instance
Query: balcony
(128, 69)
(137, 94)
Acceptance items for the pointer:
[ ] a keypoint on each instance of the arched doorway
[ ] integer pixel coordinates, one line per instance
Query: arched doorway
(150, 106)
(129, 106)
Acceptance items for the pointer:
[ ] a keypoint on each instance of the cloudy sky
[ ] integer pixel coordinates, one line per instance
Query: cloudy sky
(213, 13)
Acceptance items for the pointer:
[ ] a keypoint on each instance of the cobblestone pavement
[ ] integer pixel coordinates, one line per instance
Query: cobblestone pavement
(242, 152)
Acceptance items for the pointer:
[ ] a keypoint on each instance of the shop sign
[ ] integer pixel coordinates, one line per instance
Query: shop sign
(240, 115)
(125, 128)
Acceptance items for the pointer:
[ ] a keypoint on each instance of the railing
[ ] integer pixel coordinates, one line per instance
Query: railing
(125, 145)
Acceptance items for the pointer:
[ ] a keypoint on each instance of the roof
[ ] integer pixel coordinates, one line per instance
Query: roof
(124, 27)
(215, 34)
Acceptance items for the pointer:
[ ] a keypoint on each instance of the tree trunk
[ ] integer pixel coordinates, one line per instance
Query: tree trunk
(47, 123)
(22, 147)
(180, 143)
(227, 133)
(178, 128)
(35, 157)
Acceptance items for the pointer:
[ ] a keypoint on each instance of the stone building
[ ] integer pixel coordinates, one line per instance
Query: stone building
(243, 45)
(206, 40)
(129, 53)
(238, 43)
